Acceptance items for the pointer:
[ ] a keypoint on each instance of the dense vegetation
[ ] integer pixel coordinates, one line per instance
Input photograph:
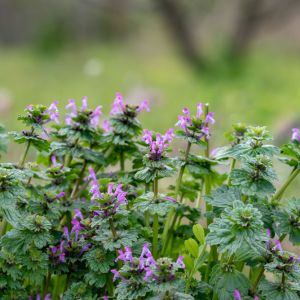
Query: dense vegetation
(92, 217)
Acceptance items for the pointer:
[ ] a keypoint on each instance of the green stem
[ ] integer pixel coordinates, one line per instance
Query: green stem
(258, 279)
(122, 161)
(283, 280)
(232, 165)
(155, 235)
(78, 181)
(47, 283)
(22, 162)
(168, 224)
(113, 229)
(181, 171)
(282, 237)
(70, 157)
(278, 195)
(155, 222)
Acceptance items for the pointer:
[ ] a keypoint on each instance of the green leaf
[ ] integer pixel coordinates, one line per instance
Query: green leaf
(192, 246)
(188, 261)
(225, 279)
(199, 233)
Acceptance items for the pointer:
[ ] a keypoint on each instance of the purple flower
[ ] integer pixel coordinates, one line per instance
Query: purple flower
(106, 126)
(53, 160)
(199, 110)
(105, 297)
(296, 134)
(94, 190)
(96, 114)
(60, 195)
(149, 274)
(256, 298)
(76, 228)
(196, 127)
(171, 199)
(53, 112)
(78, 214)
(144, 105)
(209, 118)
(237, 295)
(125, 255)
(118, 104)
(72, 106)
(277, 246)
(180, 262)
(159, 144)
(117, 195)
(84, 104)
(146, 258)
(116, 274)
(66, 233)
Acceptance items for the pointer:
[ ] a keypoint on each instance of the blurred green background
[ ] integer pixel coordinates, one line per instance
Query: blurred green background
(241, 56)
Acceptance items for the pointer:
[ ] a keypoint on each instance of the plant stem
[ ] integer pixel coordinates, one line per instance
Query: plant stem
(232, 165)
(282, 237)
(181, 171)
(155, 235)
(22, 162)
(168, 229)
(155, 222)
(258, 278)
(278, 195)
(113, 229)
(78, 181)
(122, 161)
(47, 283)
(283, 280)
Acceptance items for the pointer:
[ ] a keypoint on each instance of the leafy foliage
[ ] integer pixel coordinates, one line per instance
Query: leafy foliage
(100, 215)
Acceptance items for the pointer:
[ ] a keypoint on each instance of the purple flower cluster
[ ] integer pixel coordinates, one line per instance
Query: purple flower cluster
(43, 116)
(284, 257)
(162, 270)
(157, 143)
(119, 106)
(53, 112)
(93, 116)
(296, 134)
(72, 240)
(196, 126)
(114, 196)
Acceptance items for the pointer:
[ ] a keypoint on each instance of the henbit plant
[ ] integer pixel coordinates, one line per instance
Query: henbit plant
(91, 217)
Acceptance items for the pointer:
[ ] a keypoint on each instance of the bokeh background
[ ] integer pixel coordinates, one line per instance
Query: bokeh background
(241, 56)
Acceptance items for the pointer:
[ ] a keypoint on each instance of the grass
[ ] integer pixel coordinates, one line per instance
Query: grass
(266, 91)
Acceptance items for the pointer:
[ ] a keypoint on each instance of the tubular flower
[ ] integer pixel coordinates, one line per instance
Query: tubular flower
(197, 126)
(119, 107)
(73, 241)
(157, 143)
(296, 134)
(162, 270)
(84, 115)
(237, 295)
(110, 201)
(53, 112)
